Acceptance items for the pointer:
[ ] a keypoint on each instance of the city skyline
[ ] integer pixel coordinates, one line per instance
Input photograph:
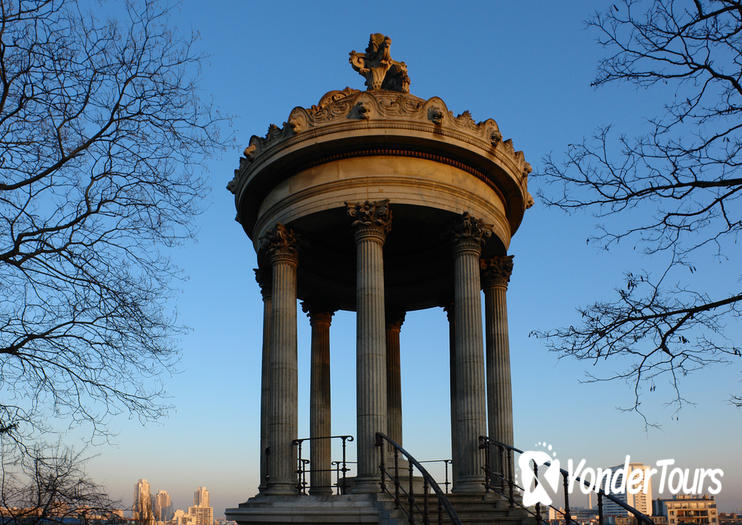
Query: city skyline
(221, 300)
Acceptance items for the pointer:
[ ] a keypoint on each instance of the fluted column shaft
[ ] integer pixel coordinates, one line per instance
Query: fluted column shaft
(319, 403)
(393, 376)
(283, 418)
(264, 280)
(471, 416)
(496, 275)
(371, 221)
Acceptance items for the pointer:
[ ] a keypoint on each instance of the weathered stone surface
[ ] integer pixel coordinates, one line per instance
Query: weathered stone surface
(378, 68)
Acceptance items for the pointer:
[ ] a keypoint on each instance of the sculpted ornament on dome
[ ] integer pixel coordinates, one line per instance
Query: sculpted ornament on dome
(435, 114)
(333, 96)
(385, 108)
(378, 68)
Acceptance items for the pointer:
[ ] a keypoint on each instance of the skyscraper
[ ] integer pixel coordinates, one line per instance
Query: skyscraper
(202, 513)
(201, 497)
(142, 507)
(163, 506)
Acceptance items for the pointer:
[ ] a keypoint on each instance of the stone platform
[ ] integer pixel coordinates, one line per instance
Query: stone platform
(370, 508)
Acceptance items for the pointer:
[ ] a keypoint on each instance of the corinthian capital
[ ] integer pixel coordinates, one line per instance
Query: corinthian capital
(279, 241)
(394, 319)
(496, 271)
(470, 230)
(377, 214)
(263, 277)
(318, 312)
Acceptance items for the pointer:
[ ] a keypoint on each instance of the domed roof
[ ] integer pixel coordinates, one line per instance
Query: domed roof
(351, 123)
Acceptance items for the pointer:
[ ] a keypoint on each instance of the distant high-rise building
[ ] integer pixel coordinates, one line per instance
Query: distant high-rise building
(201, 497)
(163, 506)
(688, 510)
(641, 501)
(202, 515)
(142, 507)
(201, 512)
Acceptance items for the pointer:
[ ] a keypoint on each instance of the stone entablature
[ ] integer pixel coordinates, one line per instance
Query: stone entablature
(380, 122)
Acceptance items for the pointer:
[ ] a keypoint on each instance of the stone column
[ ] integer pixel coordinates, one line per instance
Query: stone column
(371, 223)
(471, 416)
(495, 277)
(264, 280)
(280, 245)
(320, 483)
(394, 322)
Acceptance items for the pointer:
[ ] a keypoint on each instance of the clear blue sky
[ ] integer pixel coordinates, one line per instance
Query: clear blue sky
(528, 65)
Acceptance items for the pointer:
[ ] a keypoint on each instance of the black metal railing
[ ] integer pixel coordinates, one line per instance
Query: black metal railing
(446, 463)
(500, 478)
(339, 468)
(405, 499)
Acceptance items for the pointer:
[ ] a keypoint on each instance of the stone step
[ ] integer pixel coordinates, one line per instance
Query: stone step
(471, 509)
(371, 508)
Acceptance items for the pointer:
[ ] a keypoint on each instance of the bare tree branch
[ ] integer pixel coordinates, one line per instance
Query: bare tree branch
(101, 137)
(49, 485)
(677, 188)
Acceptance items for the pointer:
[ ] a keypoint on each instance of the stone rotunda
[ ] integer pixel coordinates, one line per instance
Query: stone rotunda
(377, 202)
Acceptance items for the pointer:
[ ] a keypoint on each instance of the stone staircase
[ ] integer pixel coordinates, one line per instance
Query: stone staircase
(372, 508)
(471, 509)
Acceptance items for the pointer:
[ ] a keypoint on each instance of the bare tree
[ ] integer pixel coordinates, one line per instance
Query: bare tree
(101, 134)
(674, 192)
(49, 485)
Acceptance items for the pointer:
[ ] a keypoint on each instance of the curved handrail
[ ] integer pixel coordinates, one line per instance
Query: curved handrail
(485, 442)
(428, 479)
(301, 469)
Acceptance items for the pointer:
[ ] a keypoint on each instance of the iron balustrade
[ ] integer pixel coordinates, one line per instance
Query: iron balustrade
(340, 468)
(446, 463)
(505, 484)
(405, 499)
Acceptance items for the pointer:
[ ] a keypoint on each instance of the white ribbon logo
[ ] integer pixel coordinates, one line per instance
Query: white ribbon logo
(536, 493)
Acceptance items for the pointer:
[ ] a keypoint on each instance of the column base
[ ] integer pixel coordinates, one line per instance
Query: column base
(363, 485)
(323, 491)
(280, 489)
(473, 485)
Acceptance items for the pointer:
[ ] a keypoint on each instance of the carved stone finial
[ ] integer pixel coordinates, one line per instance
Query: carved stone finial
(377, 213)
(467, 227)
(279, 239)
(378, 68)
(496, 271)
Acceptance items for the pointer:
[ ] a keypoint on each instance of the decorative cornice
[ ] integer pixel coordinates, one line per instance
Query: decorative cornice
(367, 213)
(383, 109)
(496, 270)
(280, 239)
(378, 68)
(468, 228)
